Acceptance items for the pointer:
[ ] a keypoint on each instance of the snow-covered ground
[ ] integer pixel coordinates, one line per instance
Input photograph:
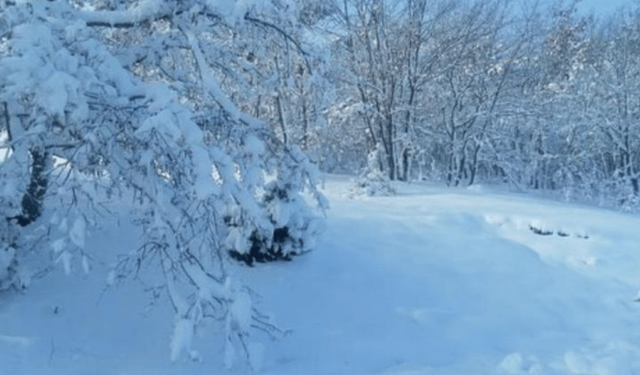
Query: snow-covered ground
(431, 281)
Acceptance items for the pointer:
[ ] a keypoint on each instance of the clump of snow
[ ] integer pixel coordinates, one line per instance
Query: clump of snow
(256, 356)
(53, 93)
(576, 363)
(78, 232)
(512, 364)
(241, 310)
(517, 364)
(65, 259)
(476, 188)
(111, 277)
(617, 357)
(181, 339)
(229, 354)
(373, 181)
(58, 245)
(85, 264)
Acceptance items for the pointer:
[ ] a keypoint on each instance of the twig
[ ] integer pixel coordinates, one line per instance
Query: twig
(53, 350)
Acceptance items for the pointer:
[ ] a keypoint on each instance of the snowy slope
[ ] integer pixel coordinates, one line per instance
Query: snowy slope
(432, 281)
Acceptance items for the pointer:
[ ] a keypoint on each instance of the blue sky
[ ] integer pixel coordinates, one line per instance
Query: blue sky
(603, 7)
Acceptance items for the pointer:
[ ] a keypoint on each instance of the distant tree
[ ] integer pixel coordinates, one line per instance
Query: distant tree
(379, 46)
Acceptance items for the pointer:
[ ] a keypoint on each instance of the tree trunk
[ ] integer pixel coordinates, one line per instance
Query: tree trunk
(304, 142)
(391, 160)
(474, 165)
(406, 158)
(33, 199)
(281, 119)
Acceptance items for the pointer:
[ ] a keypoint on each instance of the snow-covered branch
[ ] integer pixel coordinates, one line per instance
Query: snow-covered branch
(144, 11)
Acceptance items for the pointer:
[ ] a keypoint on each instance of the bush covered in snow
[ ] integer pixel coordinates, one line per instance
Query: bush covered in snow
(292, 232)
(373, 181)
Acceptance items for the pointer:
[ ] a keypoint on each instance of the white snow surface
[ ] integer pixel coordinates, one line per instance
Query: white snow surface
(432, 281)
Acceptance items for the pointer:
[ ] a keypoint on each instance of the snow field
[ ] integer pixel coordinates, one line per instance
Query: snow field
(429, 282)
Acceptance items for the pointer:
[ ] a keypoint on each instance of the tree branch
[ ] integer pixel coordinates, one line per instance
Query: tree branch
(125, 18)
(286, 35)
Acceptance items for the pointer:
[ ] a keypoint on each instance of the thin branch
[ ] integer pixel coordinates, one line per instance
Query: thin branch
(286, 35)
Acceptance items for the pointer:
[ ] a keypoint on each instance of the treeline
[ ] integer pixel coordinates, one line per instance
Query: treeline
(478, 91)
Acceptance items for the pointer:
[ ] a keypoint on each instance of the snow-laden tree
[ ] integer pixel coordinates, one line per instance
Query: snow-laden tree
(470, 93)
(379, 46)
(141, 102)
(422, 79)
(540, 97)
(284, 66)
(614, 110)
(373, 181)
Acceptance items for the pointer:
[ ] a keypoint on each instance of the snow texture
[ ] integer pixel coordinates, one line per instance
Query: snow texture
(431, 281)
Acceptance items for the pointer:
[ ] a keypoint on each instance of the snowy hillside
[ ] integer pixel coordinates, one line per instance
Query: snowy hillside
(431, 281)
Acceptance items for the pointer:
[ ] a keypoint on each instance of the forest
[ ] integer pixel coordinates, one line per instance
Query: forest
(208, 125)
